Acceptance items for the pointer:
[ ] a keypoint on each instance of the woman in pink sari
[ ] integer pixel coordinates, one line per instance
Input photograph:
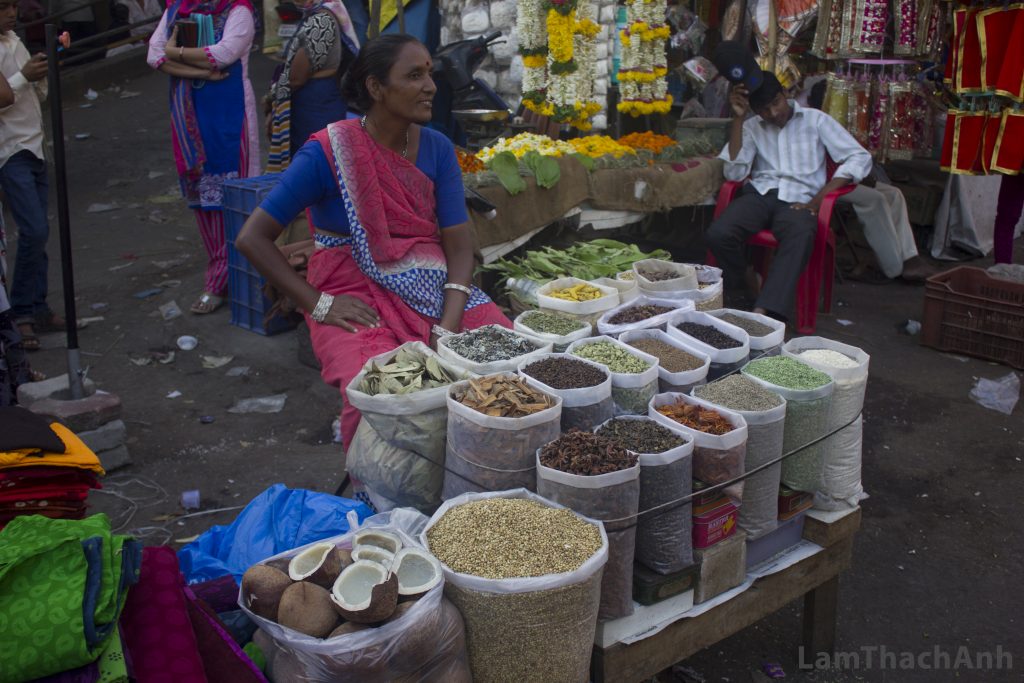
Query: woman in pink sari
(394, 251)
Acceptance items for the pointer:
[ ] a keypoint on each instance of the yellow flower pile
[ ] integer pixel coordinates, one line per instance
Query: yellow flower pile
(526, 142)
(595, 146)
(580, 292)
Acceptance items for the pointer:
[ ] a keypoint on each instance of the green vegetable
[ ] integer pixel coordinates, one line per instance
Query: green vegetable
(545, 169)
(406, 373)
(587, 162)
(506, 167)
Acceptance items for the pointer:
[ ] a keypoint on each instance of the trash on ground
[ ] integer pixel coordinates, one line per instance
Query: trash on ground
(146, 293)
(910, 327)
(141, 361)
(998, 394)
(102, 208)
(120, 267)
(174, 394)
(128, 94)
(170, 310)
(87, 105)
(190, 499)
(168, 284)
(213, 362)
(187, 342)
(263, 404)
(238, 371)
(91, 94)
(165, 265)
(773, 670)
(153, 175)
(164, 199)
(163, 357)
(82, 322)
(207, 419)
(83, 136)
(99, 306)
(844, 323)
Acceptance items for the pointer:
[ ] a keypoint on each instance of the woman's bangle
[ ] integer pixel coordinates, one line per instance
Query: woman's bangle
(459, 288)
(322, 308)
(439, 331)
(181, 53)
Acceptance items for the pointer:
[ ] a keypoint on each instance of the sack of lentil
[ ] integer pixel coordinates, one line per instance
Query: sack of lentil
(585, 388)
(628, 289)
(718, 454)
(664, 536)
(655, 276)
(489, 349)
(765, 414)
(551, 328)
(727, 345)
(526, 575)
(494, 453)
(848, 367)
(577, 298)
(680, 366)
(808, 395)
(640, 314)
(600, 479)
(766, 334)
(634, 373)
(427, 642)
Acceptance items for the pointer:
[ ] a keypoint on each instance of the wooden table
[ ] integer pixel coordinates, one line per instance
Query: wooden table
(816, 578)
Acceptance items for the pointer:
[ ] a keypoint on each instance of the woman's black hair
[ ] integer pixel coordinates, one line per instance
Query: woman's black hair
(375, 59)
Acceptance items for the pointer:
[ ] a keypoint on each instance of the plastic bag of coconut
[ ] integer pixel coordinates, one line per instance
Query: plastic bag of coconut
(367, 606)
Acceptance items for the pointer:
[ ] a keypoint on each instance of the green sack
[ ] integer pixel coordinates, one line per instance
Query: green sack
(63, 584)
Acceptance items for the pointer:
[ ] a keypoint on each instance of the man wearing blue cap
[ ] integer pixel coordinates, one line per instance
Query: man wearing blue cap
(782, 148)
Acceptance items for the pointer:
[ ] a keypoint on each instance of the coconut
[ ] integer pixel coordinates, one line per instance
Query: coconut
(373, 554)
(418, 571)
(400, 611)
(366, 592)
(320, 563)
(262, 587)
(381, 539)
(280, 563)
(348, 627)
(306, 608)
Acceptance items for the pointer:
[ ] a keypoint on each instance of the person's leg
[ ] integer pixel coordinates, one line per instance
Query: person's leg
(1008, 211)
(746, 215)
(795, 230)
(875, 211)
(23, 179)
(211, 229)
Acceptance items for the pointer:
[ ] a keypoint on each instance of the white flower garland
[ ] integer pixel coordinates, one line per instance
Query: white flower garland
(642, 85)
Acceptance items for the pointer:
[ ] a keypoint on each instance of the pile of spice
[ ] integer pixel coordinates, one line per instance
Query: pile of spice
(786, 372)
(641, 436)
(832, 359)
(672, 358)
(502, 396)
(586, 454)
(565, 373)
(489, 344)
(697, 417)
(635, 314)
(711, 336)
(661, 275)
(614, 357)
(751, 327)
(736, 392)
(506, 538)
(627, 275)
(406, 373)
(580, 292)
(551, 323)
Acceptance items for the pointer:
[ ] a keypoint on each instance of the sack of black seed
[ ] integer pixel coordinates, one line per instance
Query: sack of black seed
(655, 276)
(584, 387)
(640, 314)
(600, 479)
(727, 345)
(765, 413)
(680, 365)
(634, 373)
(766, 334)
(664, 536)
(551, 328)
(489, 349)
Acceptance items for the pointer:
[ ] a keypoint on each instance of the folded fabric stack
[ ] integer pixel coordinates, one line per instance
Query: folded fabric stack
(44, 468)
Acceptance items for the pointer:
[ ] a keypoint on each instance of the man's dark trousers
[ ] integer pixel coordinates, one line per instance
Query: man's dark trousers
(748, 214)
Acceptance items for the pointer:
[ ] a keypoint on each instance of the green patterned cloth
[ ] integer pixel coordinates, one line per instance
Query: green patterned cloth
(62, 586)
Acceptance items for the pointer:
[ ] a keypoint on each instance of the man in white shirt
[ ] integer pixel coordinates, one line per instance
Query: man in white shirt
(23, 177)
(783, 150)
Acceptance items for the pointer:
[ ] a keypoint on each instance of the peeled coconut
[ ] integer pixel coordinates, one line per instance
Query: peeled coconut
(366, 592)
(306, 608)
(381, 539)
(418, 571)
(262, 587)
(320, 563)
(373, 554)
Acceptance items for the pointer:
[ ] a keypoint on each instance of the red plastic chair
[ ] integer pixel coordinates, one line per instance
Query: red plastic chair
(820, 267)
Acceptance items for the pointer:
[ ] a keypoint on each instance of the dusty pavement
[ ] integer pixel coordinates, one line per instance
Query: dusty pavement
(937, 562)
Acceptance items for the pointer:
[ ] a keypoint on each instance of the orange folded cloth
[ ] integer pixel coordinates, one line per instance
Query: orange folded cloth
(76, 454)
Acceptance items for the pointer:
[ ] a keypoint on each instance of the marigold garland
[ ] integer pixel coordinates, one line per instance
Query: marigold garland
(643, 89)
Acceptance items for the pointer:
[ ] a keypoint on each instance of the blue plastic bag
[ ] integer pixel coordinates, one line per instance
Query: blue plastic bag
(278, 519)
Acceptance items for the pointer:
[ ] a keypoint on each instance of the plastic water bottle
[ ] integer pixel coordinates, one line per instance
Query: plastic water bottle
(524, 289)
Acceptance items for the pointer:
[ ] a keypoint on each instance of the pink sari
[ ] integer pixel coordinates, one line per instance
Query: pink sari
(393, 261)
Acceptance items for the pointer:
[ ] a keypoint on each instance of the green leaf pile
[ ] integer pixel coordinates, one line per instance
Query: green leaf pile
(585, 260)
(406, 373)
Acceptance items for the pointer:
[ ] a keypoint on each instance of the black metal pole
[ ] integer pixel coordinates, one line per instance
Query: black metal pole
(63, 215)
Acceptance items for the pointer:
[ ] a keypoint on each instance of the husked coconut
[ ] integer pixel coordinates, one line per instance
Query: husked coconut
(306, 608)
(262, 587)
(381, 539)
(373, 553)
(348, 627)
(320, 563)
(366, 592)
(418, 571)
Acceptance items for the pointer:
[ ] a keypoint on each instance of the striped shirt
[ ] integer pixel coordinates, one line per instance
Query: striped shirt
(792, 159)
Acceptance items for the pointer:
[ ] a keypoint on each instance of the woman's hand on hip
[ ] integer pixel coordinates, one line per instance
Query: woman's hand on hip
(348, 309)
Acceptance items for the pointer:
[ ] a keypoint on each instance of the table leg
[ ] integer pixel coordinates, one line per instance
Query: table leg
(820, 611)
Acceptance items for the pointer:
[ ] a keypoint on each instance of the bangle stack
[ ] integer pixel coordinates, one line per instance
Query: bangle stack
(322, 308)
(459, 288)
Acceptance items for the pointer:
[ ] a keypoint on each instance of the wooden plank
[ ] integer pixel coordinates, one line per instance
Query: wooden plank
(641, 660)
(821, 606)
(826, 534)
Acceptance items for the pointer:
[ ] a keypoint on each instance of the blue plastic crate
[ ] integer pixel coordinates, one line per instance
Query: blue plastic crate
(245, 284)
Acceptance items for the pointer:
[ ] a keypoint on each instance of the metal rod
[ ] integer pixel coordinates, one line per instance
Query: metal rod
(375, 18)
(63, 215)
(57, 15)
(114, 31)
(400, 8)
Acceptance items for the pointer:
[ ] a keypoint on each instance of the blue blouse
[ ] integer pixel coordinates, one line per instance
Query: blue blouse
(309, 181)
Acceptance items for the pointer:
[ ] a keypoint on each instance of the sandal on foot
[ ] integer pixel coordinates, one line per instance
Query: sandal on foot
(29, 340)
(50, 323)
(207, 303)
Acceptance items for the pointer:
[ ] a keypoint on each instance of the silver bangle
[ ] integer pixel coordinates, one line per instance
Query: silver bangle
(439, 331)
(322, 308)
(459, 288)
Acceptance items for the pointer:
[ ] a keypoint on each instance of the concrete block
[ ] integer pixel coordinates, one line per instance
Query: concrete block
(83, 415)
(115, 458)
(504, 51)
(30, 392)
(503, 14)
(607, 14)
(475, 21)
(445, 35)
(600, 122)
(515, 69)
(722, 566)
(601, 50)
(488, 77)
(108, 436)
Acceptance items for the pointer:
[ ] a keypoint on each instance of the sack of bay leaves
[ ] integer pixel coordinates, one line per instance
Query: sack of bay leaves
(496, 424)
(399, 447)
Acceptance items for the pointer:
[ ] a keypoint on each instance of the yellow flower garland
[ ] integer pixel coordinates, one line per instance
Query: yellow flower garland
(560, 30)
(587, 28)
(535, 61)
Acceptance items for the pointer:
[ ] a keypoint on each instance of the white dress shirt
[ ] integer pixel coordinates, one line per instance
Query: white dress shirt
(792, 159)
(21, 124)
